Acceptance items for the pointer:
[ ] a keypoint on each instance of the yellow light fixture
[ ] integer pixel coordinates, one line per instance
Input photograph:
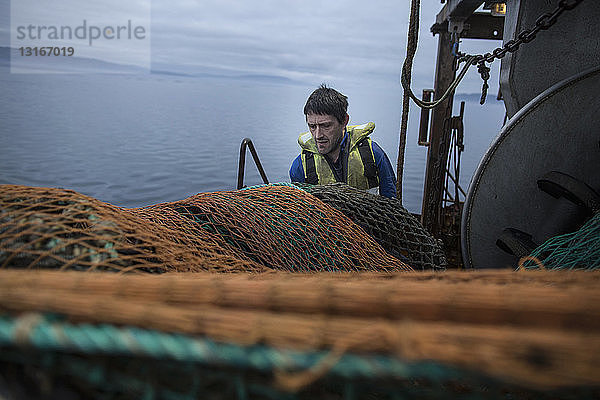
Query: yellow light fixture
(499, 9)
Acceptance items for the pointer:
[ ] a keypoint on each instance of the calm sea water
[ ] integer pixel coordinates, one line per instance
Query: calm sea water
(135, 140)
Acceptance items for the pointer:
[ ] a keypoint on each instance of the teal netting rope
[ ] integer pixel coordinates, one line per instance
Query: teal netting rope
(579, 250)
(271, 184)
(50, 333)
(385, 220)
(130, 362)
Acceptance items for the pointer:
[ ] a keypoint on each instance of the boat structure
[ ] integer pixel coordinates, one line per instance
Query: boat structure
(297, 291)
(538, 179)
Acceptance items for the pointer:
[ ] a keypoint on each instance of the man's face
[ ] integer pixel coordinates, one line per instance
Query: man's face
(326, 130)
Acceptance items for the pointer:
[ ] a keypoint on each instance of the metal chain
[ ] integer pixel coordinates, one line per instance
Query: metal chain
(484, 71)
(544, 22)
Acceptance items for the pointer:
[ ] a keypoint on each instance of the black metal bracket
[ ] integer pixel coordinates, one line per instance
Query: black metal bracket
(516, 242)
(247, 143)
(424, 124)
(476, 26)
(558, 184)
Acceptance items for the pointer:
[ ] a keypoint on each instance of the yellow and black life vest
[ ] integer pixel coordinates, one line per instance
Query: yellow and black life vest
(360, 170)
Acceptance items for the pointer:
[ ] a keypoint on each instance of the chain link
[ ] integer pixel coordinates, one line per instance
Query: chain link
(544, 22)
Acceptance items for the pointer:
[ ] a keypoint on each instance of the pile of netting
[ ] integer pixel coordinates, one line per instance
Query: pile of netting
(386, 221)
(504, 335)
(256, 230)
(571, 251)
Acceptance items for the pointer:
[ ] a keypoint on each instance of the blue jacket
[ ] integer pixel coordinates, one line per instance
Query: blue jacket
(387, 178)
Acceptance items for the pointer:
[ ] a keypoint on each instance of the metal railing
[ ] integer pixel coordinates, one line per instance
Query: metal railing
(247, 143)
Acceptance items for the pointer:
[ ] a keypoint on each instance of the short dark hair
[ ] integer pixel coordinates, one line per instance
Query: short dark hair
(327, 101)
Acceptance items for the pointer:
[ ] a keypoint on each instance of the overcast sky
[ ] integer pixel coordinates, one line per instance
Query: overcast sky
(310, 41)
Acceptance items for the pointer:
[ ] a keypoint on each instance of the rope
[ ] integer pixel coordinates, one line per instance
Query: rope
(51, 333)
(413, 37)
(406, 78)
(469, 61)
(106, 361)
(523, 260)
(411, 48)
(296, 381)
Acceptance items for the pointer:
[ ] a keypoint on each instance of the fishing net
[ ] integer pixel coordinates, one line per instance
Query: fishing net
(257, 230)
(299, 336)
(576, 250)
(386, 221)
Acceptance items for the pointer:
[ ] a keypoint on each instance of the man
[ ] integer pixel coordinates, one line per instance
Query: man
(335, 152)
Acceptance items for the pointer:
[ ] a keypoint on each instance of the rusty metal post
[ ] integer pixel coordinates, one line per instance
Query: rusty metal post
(439, 138)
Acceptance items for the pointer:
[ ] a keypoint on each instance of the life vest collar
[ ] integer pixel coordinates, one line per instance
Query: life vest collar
(358, 161)
(355, 133)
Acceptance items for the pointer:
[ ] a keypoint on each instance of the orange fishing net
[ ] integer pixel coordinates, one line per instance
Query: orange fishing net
(538, 328)
(255, 230)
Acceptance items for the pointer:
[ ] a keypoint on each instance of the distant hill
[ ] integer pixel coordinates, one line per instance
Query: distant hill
(474, 97)
(219, 73)
(92, 65)
(269, 78)
(54, 64)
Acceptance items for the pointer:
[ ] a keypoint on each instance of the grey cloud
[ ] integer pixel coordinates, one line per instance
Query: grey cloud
(306, 40)
(284, 38)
